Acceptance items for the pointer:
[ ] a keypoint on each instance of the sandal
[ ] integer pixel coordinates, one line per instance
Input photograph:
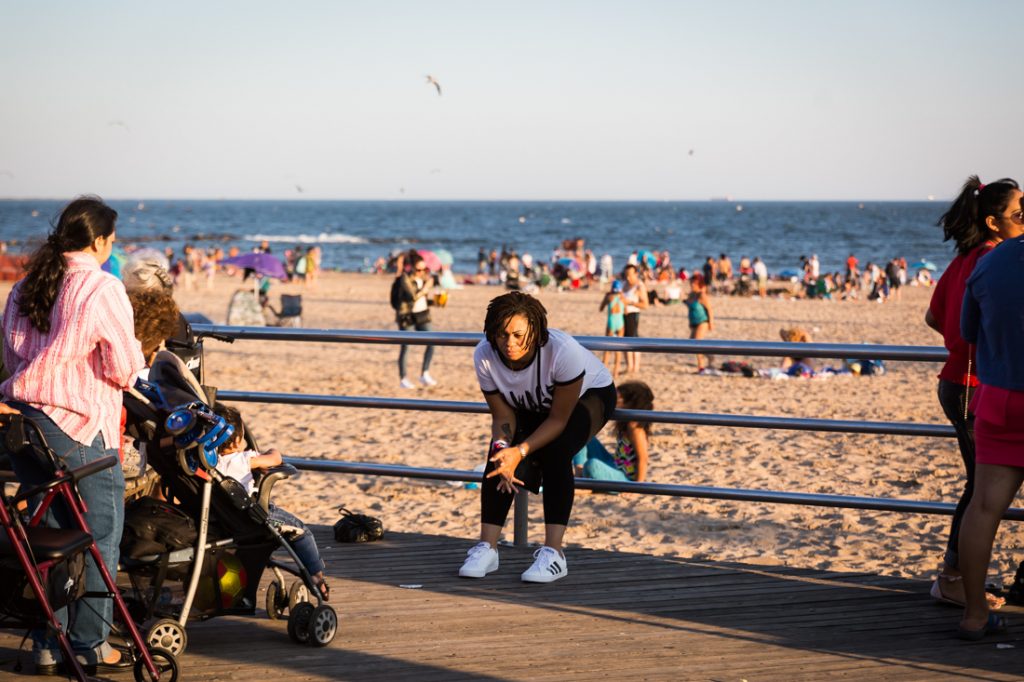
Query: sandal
(995, 625)
(995, 602)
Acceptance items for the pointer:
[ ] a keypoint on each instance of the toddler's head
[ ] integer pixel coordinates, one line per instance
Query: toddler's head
(233, 417)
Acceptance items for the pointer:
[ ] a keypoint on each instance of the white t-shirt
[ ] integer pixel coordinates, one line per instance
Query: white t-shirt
(420, 304)
(237, 466)
(561, 361)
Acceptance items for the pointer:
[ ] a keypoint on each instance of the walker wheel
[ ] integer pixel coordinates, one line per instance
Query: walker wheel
(168, 635)
(297, 594)
(299, 619)
(276, 602)
(323, 625)
(165, 663)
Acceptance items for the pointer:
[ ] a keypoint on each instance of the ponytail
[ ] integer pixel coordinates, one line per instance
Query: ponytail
(80, 224)
(964, 221)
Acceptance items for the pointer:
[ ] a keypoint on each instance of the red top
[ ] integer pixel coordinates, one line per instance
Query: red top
(851, 263)
(945, 308)
(75, 373)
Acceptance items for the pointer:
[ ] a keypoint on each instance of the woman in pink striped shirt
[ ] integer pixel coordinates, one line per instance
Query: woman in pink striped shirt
(70, 346)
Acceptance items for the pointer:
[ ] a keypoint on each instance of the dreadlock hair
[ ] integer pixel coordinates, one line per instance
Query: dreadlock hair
(636, 395)
(964, 221)
(80, 224)
(503, 308)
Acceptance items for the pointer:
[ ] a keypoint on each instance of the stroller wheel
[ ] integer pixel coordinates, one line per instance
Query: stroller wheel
(167, 634)
(297, 594)
(323, 625)
(166, 665)
(276, 602)
(299, 619)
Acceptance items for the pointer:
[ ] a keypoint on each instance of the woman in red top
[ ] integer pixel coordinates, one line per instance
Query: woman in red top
(975, 222)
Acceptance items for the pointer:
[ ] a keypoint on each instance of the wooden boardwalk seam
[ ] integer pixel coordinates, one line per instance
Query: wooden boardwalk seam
(616, 616)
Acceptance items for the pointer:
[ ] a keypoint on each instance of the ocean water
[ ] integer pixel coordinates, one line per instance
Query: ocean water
(353, 234)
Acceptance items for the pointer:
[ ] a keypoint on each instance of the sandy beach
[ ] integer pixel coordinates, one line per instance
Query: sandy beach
(821, 538)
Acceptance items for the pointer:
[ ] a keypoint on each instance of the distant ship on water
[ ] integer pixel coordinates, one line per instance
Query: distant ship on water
(725, 198)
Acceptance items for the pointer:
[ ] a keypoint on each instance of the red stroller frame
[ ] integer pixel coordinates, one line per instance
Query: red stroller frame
(40, 548)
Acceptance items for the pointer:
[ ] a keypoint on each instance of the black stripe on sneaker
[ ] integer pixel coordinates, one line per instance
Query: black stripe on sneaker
(555, 569)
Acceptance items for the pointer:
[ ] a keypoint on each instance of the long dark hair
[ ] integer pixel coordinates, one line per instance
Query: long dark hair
(636, 395)
(80, 223)
(964, 222)
(503, 308)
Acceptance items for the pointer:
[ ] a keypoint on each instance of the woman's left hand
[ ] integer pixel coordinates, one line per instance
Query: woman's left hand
(506, 461)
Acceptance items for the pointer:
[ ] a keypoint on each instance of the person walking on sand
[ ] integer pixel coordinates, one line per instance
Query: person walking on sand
(698, 305)
(414, 288)
(547, 396)
(976, 222)
(634, 293)
(616, 323)
(761, 273)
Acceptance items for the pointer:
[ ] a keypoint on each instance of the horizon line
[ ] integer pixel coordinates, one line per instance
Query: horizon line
(714, 200)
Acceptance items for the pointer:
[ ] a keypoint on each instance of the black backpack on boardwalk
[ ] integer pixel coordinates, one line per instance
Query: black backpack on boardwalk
(357, 527)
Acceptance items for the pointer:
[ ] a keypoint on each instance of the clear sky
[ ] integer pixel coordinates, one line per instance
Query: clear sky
(541, 100)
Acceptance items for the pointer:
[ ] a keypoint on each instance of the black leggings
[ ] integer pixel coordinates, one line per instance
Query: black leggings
(951, 397)
(551, 464)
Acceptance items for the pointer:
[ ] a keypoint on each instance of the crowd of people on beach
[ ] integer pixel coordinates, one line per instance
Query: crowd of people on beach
(75, 338)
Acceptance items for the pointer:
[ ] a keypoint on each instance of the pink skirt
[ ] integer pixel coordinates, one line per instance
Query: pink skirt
(998, 426)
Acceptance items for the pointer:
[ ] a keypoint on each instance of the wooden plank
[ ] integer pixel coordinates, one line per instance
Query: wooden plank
(641, 617)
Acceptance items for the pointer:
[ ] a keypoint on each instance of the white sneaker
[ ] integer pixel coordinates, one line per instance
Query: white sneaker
(482, 559)
(548, 566)
(427, 380)
(405, 383)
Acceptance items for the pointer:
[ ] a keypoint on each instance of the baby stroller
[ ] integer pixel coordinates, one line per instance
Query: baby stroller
(215, 540)
(42, 569)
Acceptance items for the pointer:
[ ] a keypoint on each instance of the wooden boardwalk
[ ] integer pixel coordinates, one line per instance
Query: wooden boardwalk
(616, 616)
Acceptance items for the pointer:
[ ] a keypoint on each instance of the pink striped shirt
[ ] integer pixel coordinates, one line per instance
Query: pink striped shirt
(76, 372)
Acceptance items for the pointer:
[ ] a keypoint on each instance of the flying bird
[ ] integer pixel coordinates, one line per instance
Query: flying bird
(119, 124)
(433, 81)
(298, 188)
(691, 152)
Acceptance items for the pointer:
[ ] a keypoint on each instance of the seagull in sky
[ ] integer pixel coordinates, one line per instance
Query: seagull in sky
(119, 124)
(298, 188)
(691, 152)
(433, 81)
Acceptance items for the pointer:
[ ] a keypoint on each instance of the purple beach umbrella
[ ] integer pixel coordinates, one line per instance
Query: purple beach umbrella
(264, 264)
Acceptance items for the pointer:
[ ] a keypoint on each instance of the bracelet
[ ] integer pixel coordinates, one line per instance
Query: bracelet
(498, 445)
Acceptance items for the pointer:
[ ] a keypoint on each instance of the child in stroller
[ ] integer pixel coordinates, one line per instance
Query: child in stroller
(213, 537)
(242, 464)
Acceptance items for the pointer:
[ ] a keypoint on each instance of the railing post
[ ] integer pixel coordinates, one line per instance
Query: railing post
(521, 520)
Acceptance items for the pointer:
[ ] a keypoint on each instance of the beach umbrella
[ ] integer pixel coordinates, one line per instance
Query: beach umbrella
(444, 256)
(430, 258)
(263, 264)
(647, 258)
(570, 264)
(923, 265)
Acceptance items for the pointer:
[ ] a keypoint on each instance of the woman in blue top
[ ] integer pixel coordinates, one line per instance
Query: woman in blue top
(699, 309)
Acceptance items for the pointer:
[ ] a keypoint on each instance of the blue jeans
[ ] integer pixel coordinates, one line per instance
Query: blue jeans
(600, 465)
(103, 494)
(428, 353)
(305, 545)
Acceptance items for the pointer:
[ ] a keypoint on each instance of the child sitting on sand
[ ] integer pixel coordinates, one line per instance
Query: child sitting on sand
(235, 461)
(629, 461)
